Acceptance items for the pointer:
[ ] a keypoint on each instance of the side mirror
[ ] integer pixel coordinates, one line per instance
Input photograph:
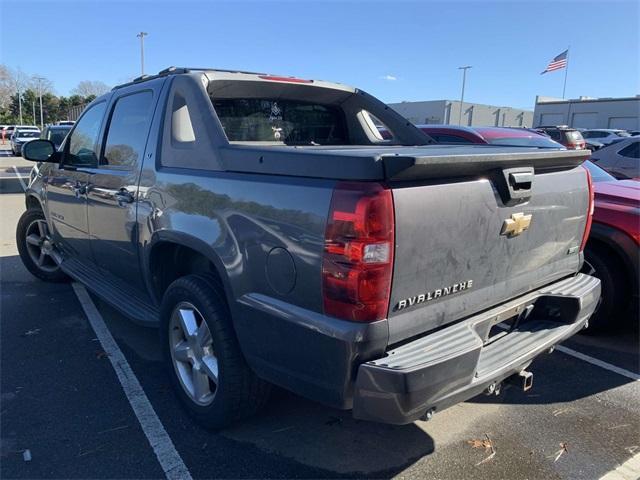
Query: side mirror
(40, 151)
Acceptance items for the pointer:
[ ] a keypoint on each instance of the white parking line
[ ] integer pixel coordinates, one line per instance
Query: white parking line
(169, 458)
(599, 363)
(24, 185)
(629, 470)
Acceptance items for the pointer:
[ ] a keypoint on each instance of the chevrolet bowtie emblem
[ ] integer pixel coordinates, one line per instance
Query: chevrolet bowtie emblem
(514, 226)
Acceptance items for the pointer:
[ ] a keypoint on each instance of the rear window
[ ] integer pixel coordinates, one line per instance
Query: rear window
(574, 135)
(284, 121)
(57, 135)
(27, 134)
(598, 174)
(537, 141)
(622, 133)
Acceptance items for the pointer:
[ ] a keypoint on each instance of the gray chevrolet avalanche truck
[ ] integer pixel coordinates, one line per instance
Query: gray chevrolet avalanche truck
(274, 237)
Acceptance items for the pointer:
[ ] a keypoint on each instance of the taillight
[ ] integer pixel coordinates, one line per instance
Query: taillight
(587, 227)
(358, 252)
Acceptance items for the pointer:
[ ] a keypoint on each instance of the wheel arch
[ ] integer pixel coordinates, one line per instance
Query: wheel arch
(171, 255)
(33, 202)
(619, 244)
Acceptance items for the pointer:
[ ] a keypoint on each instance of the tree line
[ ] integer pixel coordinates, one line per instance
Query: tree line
(18, 89)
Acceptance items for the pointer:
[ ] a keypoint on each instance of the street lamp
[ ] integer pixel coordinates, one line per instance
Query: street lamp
(464, 79)
(39, 80)
(19, 102)
(141, 36)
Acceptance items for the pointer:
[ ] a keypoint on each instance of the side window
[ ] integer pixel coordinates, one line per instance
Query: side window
(447, 138)
(128, 130)
(631, 151)
(82, 143)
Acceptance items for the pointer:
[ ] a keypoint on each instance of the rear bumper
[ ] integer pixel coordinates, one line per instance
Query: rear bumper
(458, 362)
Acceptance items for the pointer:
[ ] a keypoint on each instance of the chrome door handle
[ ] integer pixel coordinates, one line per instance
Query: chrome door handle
(79, 189)
(123, 197)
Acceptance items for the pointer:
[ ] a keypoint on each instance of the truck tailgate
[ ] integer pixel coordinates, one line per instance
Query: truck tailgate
(460, 247)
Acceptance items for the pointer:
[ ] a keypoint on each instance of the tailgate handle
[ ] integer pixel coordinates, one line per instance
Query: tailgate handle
(515, 184)
(521, 180)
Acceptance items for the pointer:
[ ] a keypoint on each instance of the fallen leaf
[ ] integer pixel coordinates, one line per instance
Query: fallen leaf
(479, 444)
(101, 354)
(562, 451)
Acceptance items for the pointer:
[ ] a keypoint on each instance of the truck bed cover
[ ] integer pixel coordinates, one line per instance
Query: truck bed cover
(391, 162)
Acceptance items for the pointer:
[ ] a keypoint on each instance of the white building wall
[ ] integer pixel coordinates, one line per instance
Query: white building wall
(589, 113)
(447, 112)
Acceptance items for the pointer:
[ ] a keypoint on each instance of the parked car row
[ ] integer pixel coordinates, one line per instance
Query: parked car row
(18, 135)
(21, 135)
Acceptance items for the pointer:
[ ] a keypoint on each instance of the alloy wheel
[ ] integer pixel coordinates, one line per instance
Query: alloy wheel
(192, 353)
(41, 247)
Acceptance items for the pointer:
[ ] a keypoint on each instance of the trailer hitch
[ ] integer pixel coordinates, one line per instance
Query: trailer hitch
(524, 380)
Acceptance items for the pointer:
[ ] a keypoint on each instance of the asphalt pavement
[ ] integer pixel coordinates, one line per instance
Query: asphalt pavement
(64, 412)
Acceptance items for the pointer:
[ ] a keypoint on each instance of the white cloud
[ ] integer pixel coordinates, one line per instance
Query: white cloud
(390, 78)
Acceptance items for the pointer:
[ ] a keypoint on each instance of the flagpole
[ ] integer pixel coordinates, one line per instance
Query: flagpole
(566, 71)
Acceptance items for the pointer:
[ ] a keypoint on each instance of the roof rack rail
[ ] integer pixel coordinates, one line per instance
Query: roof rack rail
(180, 70)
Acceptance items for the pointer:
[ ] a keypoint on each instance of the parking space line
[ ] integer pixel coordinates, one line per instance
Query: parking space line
(166, 453)
(629, 470)
(24, 185)
(599, 363)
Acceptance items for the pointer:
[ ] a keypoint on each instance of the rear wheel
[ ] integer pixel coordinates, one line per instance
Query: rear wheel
(203, 357)
(602, 264)
(36, 248)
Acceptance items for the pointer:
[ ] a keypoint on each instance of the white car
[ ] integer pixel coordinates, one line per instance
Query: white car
(605, 135)
(620, 159)
(21, 135)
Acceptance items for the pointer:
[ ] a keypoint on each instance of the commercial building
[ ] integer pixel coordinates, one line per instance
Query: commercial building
(449, 112)
(585, 112)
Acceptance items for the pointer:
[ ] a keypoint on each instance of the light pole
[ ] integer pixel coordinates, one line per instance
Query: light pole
(19, 103)
(464, 80)
(141, 36)
(40, 79)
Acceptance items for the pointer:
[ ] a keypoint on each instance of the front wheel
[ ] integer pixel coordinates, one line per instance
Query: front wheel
(203, 357)
(36, 248)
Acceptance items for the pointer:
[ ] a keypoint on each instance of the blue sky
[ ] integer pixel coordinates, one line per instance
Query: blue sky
(396, 50)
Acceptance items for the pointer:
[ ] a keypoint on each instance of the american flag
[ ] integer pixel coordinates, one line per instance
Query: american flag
(558, 62)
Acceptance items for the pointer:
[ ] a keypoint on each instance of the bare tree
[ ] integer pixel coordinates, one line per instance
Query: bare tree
(6, 87)
(44, 84)
(87, 88)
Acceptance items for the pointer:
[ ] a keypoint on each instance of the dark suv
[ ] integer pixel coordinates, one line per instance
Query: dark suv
(567, 136)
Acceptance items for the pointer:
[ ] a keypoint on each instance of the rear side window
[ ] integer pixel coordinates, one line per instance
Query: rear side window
(275, 120)
(128, 130)
(631, 151)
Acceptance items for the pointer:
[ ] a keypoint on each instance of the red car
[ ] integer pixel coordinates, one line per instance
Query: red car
(611, 253)
(491, 135)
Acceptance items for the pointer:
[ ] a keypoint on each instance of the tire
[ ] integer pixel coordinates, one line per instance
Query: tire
(44, 266)
(237, 392)
(608, 268)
